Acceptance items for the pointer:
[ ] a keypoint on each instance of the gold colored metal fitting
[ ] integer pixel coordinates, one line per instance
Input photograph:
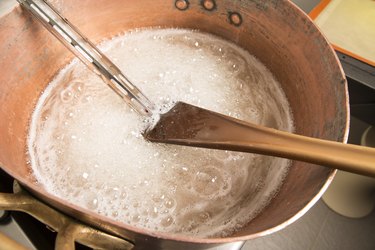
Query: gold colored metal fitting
(208, 4)
(68, 229)
(235, 18)
(182, 4)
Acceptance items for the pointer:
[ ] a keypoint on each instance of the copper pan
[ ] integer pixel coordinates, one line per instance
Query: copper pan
(275, 31)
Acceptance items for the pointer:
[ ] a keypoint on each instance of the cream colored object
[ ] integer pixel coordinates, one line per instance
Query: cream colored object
(350, 24)
(368, 137)
(353, 195)
(8, 243)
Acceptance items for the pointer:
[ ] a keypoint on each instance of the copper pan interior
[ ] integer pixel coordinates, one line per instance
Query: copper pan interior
(276, 32)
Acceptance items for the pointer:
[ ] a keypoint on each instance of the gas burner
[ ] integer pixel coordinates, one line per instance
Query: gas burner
(68, 229)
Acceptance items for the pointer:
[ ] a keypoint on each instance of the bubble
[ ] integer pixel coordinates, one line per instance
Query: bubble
(211, 182)
(123, 194)
(136, 218)
(66, 95)
(169, 203)
(112, 191)
(154, 212)
(166, 222)
(77, 88)
(92, 202)
(203, 217)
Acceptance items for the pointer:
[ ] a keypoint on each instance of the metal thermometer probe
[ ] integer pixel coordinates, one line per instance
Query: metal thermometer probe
(87, 52)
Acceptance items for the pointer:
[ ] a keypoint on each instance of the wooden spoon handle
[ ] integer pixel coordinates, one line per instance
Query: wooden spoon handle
(193, 126)
(342, 156)
(262, 140)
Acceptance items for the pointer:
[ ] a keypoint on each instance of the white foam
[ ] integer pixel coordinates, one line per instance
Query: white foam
(85, 144)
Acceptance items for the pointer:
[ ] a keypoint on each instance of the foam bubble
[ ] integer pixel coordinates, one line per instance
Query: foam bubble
(85, 143)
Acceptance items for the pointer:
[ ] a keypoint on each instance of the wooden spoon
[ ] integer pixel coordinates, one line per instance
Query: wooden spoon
(189, 125)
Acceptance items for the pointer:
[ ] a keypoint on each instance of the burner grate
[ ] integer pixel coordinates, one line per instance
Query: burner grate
(68, 230)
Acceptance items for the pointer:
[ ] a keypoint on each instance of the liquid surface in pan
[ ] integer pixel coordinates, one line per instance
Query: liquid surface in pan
(85, 144)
